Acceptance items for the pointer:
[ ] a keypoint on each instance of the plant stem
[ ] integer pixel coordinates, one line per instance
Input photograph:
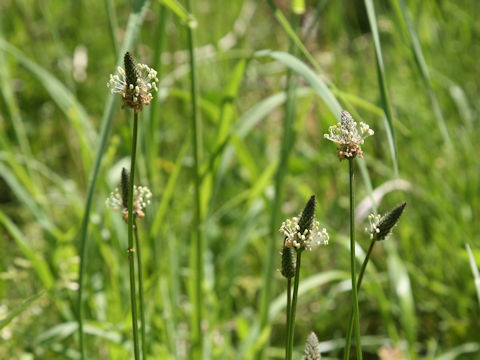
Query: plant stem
(197, 256)
(359, 283)
(356, 314)
(294, 305)
(289, 306)
(140, 285)
(131, 259)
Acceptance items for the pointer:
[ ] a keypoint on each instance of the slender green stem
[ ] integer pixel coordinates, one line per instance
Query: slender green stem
(289, 306)
(197, 256)
(131, 249)
(293, 310)
(140, 286)
(352, 263)
(359, 283)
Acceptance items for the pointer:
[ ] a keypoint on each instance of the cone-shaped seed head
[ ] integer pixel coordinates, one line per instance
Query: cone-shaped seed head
(124, 183)
(312, 348)
(308, 215)
(288, 262)
(131, 71)
(388, 221)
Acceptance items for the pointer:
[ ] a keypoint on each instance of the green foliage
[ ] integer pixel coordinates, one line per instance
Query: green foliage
(64, 140)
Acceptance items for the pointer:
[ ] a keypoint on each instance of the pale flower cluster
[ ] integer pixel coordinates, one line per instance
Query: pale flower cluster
(141, 199)
(349, 135)
(135, 96)
(308, 239)
(373, 229)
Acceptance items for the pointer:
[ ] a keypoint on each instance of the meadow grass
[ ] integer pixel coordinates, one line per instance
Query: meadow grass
(210, 241)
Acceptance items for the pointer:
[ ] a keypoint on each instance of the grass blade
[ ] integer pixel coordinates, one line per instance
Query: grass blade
(475, 272)
(18, 310)
(382, 81)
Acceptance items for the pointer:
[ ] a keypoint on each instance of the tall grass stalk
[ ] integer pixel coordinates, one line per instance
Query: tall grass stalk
(131, 259)
(356, 314)
(197, 249)
(140, 288)
(287, 144)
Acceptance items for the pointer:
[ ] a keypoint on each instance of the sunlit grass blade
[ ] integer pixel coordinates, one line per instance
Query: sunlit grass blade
(382, 81)
(309, 75)
(401, 284)
(475, 272)
(19, 309)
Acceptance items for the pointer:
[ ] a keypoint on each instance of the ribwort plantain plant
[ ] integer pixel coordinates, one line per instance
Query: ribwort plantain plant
(350, 136)
(301, 233)
(135, 83)
(380, 227)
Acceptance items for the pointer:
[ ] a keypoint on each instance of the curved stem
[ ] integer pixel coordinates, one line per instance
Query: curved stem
(356, 314)
(140, 286)
(294, 305)
(359, 283)
(131, 249)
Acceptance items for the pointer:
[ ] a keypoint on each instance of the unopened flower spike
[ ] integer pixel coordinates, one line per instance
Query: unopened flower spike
(381, 226)
(118, 199)
(312, 348)
(288, 262)
(303, 232)
(134, 83)
(349, 135)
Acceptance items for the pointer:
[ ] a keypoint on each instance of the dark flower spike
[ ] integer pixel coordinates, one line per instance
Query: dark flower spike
(308, 215)
(380, 227)
(134, 83)
(303, 232)
(124, 184)
(288, 262)
(312, 348)
(131, 71)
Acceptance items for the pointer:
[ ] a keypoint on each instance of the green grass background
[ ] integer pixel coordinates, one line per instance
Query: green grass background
(419, 292)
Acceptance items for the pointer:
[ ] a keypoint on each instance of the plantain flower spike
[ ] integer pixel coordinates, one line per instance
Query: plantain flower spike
(303, 232)
(134, 83)
(288, 262)
(118, 199)
(312, 348)
(381, 226)
(349, 136)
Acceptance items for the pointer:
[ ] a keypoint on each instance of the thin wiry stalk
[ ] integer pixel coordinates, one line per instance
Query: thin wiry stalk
(359, 283)
(197, 256)
(140, 285)
(131, 259)
(293, 310)
(289, 306)
(356, 314)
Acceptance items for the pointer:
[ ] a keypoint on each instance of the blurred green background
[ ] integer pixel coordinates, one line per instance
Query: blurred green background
(418, 297)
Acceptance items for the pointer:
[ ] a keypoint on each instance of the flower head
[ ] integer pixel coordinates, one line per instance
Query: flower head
(134, 83)
(141, 198)
(303, 232)
(349, 136)
(381, 226)
(312, 348)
